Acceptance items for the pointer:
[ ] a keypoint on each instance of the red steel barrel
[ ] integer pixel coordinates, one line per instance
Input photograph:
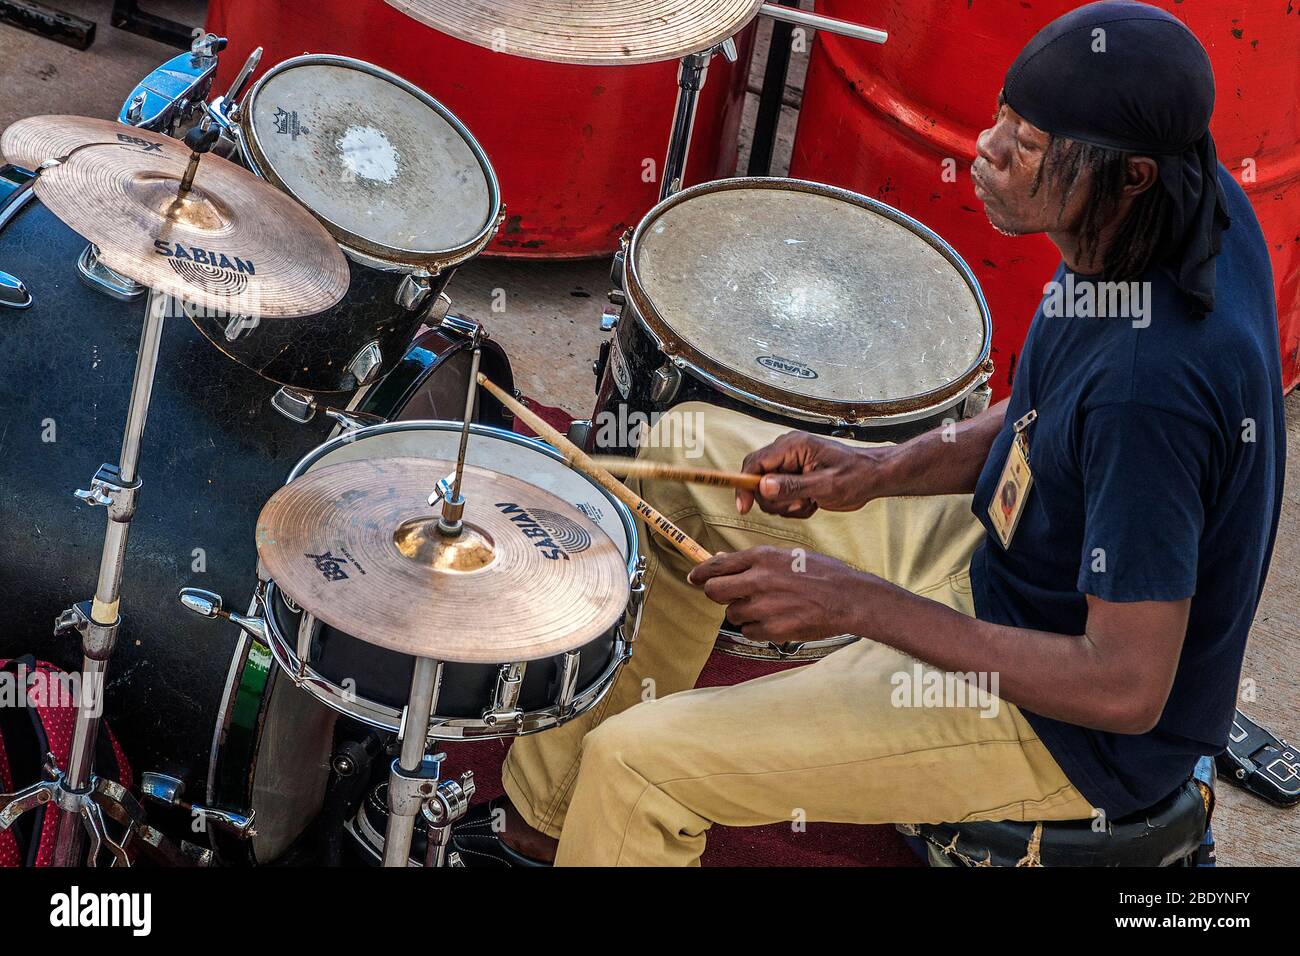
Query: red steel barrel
(570, 144)
(882, 120)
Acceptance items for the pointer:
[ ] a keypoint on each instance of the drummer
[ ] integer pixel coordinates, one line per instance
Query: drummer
(1089, 552)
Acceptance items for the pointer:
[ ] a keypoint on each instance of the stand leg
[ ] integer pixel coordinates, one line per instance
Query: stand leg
(412, 778)
(691, 74)
(99, 632)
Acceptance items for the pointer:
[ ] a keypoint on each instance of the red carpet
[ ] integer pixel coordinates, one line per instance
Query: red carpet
(821, 844)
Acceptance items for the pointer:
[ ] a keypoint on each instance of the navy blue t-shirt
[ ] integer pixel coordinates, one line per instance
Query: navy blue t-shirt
(1157, 458)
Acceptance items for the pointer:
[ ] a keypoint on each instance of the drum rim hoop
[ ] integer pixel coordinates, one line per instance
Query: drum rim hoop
(441, 727)
(434, 262)
(772, 397)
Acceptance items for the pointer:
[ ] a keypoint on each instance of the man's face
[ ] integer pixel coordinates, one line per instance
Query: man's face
(1008, 156)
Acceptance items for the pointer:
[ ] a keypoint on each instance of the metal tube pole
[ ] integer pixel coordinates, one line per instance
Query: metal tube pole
(426, 682)
(469, 417)
(97, 646)
(691, 75)
(816, 21)
(771, 97)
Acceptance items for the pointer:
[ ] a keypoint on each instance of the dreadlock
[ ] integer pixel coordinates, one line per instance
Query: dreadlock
(1143, 236)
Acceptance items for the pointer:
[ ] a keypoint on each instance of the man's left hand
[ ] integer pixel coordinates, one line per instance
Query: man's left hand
(781, 594)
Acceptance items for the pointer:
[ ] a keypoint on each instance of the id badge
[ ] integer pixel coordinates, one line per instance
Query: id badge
(1013, 486)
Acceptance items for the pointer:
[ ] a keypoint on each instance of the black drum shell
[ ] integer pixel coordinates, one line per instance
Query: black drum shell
(383, 677)
(214, 450)
(314, 352)
(643, 358)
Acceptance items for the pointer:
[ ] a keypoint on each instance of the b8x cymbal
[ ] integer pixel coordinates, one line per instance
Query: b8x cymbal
(232, 243)
(356, 544)
(595, 32)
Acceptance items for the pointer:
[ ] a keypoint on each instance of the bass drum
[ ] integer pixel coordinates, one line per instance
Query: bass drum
(273, 743)
(213, 452)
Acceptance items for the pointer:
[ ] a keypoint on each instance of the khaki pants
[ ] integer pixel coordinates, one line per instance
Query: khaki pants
(640, 778)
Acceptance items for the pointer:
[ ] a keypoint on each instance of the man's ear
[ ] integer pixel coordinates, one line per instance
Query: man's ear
(1140, 174)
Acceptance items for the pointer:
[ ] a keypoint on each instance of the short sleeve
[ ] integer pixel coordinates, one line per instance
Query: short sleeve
(1145, 479)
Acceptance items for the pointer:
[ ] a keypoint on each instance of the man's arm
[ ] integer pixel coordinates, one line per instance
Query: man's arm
(1115, 677)
(806, 472)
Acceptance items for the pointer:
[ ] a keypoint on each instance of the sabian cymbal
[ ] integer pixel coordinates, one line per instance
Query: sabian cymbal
(233, 244)
(594, 32)
(356, 545)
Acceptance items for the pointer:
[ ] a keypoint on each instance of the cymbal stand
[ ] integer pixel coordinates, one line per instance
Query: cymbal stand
(413, 780)
(693, 71)
(81, 797)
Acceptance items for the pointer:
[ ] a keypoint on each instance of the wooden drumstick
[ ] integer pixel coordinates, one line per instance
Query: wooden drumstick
(651, 470)
(583, 463)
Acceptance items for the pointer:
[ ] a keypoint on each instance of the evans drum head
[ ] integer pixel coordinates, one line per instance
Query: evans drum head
(388, 169)
(808, 301)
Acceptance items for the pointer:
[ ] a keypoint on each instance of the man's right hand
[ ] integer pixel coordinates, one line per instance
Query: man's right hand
(804, 472)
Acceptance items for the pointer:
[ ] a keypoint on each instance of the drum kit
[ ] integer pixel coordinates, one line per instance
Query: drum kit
(426, 573)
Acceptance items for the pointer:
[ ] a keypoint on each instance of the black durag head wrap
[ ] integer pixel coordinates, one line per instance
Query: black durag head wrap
(1131, 77)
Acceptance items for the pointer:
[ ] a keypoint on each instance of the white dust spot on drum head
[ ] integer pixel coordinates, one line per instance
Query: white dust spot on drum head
(367, 154)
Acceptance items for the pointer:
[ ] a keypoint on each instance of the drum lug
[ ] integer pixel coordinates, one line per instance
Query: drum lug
(438, 311)
(619, 264)
(103, 279)
(168, 790)
(505, 706)
(365, 365)
(208, 604)
(609, 318)
(413, 292)
(13, 293)
(308, 631)
(457, 325)
(300, 406)
(665, 381)
(579, 431)
(978, 400)
(568, 680)
(636, 600)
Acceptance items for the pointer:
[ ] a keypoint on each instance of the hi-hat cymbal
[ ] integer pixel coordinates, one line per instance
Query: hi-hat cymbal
(356, 544)
(594, 32)
(233, 244)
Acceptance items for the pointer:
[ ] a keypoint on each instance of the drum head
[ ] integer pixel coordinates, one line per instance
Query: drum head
(801, 296)
(491, 448)
(388, 170)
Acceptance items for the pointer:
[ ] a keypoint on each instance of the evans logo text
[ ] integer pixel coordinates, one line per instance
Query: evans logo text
(786, 366)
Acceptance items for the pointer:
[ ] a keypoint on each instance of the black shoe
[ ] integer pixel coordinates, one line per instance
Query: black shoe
(480, 846)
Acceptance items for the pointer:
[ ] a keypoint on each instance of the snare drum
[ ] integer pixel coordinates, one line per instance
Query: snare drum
(397, 180)
(372, 684)
(794, 302)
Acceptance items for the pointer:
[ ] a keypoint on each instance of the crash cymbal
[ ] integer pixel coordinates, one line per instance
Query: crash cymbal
(233, 244)
(595, 32)
(356, 544)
